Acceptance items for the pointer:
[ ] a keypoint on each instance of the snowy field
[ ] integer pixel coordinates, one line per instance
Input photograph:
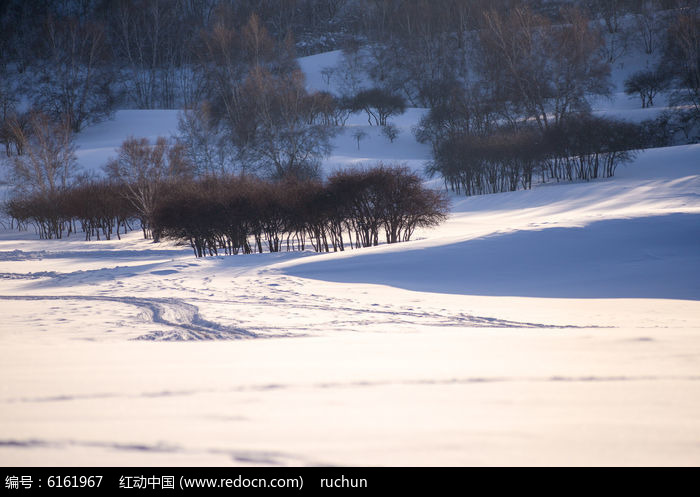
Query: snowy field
(557, 326)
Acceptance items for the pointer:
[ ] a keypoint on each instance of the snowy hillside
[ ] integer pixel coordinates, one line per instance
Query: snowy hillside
(555, 326)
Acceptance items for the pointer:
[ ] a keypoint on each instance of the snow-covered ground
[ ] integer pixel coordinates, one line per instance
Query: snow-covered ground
(557, 326)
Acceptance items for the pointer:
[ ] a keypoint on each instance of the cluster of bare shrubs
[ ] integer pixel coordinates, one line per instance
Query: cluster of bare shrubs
(584, 148)
(97, 209)
(351, 209)
(590, 147)
(244, 214)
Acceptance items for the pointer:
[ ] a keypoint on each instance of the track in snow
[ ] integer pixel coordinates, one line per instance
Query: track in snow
(183, 319)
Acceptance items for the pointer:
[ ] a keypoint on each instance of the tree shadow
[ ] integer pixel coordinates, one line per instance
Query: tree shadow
(651, 257)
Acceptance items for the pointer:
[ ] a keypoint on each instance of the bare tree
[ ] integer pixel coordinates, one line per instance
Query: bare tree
(205, 142)
(75, 78)
(649, 22)
(543, 71)
(647, 84)
(145, 170)
(428, 53)
(155, 39)
(611, 12)
(682, 57)
(359, 135)
(378, 104)
(390, 132)
(48, 162)
(348, 74)
(258, 47)
(286, 140)
(9, 94)
(224, 68)
(8, 111)
(228, 55)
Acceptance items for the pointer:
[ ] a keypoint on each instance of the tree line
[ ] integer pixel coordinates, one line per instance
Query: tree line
(81, 58)
(243, 214)
(98, 209)
(584, 147)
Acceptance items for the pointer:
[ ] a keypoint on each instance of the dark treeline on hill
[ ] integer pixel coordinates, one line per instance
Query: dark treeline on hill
(534, 57)
(234, 214)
